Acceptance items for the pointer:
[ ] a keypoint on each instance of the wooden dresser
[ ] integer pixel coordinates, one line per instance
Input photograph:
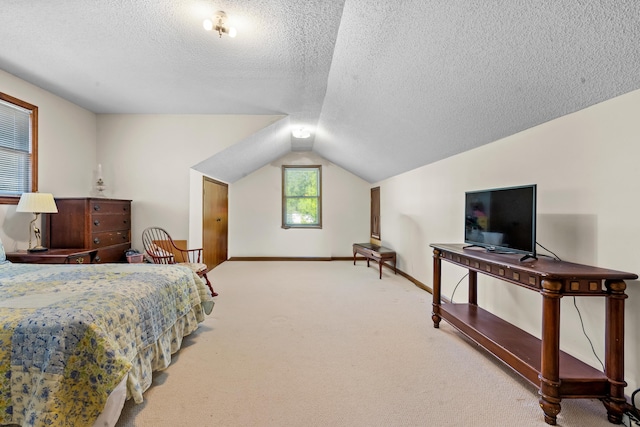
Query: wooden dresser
(87, 222)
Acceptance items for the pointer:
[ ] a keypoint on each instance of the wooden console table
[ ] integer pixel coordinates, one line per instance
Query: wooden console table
(540, 361)
(376, 253)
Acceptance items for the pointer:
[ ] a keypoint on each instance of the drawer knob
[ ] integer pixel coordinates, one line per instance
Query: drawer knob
(96, 240)
(97, 258)
(80, 260)
(96, 207)
(96, 222)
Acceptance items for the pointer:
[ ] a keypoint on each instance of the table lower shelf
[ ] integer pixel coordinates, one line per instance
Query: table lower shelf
(522, 351)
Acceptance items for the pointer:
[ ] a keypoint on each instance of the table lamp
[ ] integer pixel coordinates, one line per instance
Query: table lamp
(36, 203)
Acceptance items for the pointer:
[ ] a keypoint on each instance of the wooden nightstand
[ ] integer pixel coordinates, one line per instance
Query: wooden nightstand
(54, 256)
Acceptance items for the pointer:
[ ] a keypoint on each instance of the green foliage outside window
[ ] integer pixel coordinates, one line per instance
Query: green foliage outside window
(301, 196)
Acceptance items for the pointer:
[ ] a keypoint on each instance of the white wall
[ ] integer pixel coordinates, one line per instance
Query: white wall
(255, 213)
(586, 168)
(66, 153)
(148, 159)
(585, 165)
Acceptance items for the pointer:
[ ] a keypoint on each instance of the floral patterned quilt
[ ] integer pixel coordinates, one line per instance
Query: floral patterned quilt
(70, 333)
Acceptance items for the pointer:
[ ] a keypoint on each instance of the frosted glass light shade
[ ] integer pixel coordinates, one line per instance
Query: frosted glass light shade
(37, 203)
(301, 133)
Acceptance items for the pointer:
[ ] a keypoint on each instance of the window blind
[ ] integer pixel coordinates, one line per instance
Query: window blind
(15, 149)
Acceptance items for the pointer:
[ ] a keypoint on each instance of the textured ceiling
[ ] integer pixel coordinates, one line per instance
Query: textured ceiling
(428, 79)
(387, 85)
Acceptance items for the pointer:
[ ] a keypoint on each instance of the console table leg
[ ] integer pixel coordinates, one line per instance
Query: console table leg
(550, 357)
(435, 313)
(473, 287)
(614, 350)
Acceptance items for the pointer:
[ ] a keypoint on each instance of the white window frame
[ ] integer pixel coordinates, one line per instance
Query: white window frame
(285, 223)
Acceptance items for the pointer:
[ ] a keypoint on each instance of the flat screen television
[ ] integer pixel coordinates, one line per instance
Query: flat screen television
(502, 219)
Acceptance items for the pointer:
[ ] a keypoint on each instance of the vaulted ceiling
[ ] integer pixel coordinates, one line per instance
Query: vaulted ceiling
(385, 86)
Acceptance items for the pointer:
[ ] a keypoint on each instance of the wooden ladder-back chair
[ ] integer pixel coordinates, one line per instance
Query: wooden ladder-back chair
(161, 248)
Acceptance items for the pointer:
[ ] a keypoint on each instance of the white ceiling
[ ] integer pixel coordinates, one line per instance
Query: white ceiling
(387, 86)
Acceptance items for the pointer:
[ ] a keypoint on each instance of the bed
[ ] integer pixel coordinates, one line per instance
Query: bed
(72, 334)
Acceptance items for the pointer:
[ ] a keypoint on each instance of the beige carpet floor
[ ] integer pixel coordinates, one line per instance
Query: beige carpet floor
(329, 344)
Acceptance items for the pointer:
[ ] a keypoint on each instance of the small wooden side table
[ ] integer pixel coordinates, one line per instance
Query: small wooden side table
(54, 256)
(380, 254)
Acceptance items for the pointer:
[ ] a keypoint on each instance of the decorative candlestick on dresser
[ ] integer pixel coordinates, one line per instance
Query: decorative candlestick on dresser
(100, 182)
(100, 187)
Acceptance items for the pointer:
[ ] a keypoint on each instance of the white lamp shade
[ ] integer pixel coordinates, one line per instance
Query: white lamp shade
(37, 203)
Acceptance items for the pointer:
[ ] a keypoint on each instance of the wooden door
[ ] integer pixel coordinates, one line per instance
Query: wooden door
(375, 213)
(214, 221)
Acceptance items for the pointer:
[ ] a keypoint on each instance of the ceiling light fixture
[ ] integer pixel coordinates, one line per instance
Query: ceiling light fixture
(301, 133)
(219, 23)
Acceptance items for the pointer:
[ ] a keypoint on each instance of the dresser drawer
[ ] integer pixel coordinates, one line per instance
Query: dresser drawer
(79, 259)
(110, 206)
(101, 223)
(112, 254)
(108, 238)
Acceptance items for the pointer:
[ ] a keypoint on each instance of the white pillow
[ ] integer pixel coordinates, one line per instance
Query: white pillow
(158, 251)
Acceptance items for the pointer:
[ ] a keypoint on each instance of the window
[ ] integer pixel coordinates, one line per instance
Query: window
(18, 148)
(301, 197)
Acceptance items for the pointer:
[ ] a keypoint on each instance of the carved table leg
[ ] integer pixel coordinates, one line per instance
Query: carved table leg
(614, 350)
(550, 358)
(473, 287)
(435, 313)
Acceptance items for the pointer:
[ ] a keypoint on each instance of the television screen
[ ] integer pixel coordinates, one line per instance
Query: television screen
(502, 219)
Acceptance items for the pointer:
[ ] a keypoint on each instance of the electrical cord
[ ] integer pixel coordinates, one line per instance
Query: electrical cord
(556, 256)
(633, 415)
(632, 418)
(575, 304)
(456, 287)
